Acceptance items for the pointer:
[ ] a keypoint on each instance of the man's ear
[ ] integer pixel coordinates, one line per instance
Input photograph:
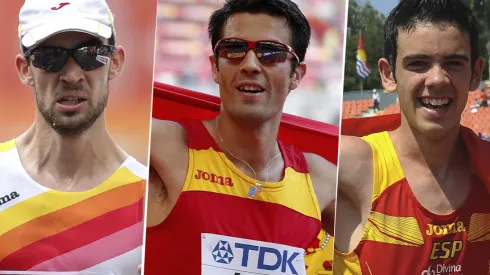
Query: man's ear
(386, 73)
(297, 75)
(117, 63)
(477, 74)
(24, 71)
(214, 68)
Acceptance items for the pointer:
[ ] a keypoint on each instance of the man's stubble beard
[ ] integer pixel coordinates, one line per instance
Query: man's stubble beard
(76, 125)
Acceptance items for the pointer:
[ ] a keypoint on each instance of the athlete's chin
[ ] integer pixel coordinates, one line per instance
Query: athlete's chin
(437, 130)
(71, 129)
(252, 115)
(72, 124)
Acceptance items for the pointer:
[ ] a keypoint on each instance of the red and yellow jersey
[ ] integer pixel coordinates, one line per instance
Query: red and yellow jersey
(215, 224)
(319, 255)
(97, 231)
(402, 237)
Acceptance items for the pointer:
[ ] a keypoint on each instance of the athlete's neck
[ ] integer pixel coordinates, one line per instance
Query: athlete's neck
(255, 144)
(69, 159)
(438, 154)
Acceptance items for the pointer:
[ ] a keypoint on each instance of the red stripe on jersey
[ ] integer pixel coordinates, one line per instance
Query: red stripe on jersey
(174, 247)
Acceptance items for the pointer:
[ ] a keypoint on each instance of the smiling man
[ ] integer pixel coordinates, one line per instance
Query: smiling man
(226, 195)
(414, 200)
(68, 193)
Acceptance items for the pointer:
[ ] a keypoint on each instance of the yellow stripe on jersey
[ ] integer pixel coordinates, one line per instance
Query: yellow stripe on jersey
(346, 264)
(316, 257)
(387, 167)
(11, 217)
(225, 174)
(387, 171)
(7, 145)
(393, 230)
(479, 229)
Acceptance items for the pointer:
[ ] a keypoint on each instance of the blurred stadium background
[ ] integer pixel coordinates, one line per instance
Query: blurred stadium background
(183, 48)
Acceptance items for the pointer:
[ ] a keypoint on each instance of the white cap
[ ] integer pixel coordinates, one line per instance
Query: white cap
(41, 19)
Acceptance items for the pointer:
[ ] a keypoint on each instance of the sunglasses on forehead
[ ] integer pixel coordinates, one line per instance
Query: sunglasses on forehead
(267, 51)
(52, 59)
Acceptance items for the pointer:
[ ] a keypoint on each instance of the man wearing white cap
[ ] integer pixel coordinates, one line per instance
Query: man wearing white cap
(70, 199)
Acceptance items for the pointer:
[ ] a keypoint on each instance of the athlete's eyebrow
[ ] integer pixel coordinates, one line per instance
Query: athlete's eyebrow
(463, 57)
(424, 56)
(415, 56)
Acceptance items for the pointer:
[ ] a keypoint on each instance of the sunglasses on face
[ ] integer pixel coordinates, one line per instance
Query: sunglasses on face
(52, 59)
(268, 52)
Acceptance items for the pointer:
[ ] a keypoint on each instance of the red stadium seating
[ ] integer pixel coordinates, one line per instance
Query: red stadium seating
(354, 108)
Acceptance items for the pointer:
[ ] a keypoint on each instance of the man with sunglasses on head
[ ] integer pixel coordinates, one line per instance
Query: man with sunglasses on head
(415, 200)
(71, 200)
(226, 196)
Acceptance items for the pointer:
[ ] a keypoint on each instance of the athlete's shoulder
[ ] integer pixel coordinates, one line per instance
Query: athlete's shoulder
(136, 167)
(354, 148)
(355, 164)
(167, 135)
(166, 129)
(317, 163)
(323, 176)
(179, 129)
(169, 147)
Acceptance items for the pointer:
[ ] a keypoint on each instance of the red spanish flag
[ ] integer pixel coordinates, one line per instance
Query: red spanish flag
(174, 103)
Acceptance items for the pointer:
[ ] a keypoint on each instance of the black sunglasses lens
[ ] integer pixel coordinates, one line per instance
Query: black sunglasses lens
(270, 52)
(92, 57)
(51, 60)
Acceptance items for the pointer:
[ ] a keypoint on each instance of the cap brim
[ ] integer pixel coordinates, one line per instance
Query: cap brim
(45, 31)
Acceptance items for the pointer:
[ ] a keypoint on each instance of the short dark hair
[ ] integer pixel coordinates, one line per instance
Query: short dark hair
(405, 16)
(297, 22)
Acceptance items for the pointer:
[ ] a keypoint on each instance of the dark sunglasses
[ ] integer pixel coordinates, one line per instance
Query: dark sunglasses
(268, 52)
(52, 59)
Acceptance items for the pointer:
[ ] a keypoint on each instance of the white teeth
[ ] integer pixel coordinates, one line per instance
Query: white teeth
(70, 99)
(435, 102)
(249, 88)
